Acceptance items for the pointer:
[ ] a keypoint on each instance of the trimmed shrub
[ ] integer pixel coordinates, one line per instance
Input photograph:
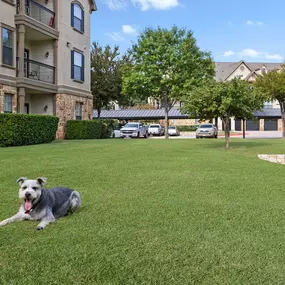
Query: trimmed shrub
(84, 130)
(22, 129)
(192, 128)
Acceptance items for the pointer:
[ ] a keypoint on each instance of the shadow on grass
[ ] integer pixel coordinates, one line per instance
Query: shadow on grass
(240, 144)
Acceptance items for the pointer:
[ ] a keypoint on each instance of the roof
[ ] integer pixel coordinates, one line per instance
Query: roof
(139, 114)
(93, 5)
(173, 114)
(224, 69)
(268, 112)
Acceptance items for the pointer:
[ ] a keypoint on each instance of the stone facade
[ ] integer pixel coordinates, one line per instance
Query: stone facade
(8, 90)
(65, 110)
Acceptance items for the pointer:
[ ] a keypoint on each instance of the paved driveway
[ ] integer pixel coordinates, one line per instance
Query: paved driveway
(249, 135)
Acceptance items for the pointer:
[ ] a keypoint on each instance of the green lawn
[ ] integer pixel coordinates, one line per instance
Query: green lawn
(154, 212)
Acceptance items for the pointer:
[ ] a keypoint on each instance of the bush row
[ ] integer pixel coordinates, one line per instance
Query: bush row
(96, 129)
(21, 129)
(192, 128)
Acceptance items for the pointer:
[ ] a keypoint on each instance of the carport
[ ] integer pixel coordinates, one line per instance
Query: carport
(128, 114)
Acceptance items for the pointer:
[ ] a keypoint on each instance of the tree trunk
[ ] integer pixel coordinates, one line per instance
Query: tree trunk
(98, 113)
(226, 122)
(282, 106)
(166, 122)
(243, 128)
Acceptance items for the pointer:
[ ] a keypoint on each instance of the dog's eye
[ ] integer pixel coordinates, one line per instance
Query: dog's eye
(24, 187)
(35, 188)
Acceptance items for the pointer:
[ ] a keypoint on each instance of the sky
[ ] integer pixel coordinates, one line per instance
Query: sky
(231, 30)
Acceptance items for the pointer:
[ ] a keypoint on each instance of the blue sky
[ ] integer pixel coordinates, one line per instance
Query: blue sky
(232, 30)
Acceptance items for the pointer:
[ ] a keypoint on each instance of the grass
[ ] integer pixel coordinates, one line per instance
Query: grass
(154, 212)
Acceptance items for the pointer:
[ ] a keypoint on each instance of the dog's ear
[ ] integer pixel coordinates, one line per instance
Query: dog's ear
(21, 180)
(41, 180)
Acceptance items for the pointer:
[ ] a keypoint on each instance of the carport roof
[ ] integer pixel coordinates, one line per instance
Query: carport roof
(139, 114)
(267, 112)
(173, 114)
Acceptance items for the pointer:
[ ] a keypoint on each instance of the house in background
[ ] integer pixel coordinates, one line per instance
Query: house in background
(45, 58)
(267, 120)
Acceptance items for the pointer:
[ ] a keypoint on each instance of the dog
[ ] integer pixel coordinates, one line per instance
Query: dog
(44, 205)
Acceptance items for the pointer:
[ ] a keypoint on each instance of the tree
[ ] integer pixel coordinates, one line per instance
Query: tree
(235, 98)
(272, 85)
(164, 64)
(106, 78)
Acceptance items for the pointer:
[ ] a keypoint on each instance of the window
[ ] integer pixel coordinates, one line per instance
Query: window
(77, 66)
(7, 45)
(8, 104)
(78, 111)
(77, 17)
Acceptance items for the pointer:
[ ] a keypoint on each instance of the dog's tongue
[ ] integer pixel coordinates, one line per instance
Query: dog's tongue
(28, 205)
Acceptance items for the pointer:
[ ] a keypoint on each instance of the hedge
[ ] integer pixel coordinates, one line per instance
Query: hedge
(192, 128)
(83, 130)
(22, 129)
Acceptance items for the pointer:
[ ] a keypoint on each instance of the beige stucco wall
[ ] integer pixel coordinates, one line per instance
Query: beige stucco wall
(38, 103)
(77, 41)
(239, 72)
(7, 13)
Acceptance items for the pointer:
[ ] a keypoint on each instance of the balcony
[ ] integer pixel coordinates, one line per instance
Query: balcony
(37, 17)
(39, 71)
(37, 76)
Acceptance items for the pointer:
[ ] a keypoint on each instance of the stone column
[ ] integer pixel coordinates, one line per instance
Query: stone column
(22, 7)
(21, 49)
(261, 124)
(55, 9)
(55, 61)
(54, 104)
(279, 124)
(21, 102)
(233, 125)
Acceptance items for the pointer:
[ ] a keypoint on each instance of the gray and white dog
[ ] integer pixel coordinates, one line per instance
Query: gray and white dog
(45, 205)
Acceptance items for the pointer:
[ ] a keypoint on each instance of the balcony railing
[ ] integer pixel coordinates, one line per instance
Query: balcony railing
(38, 71)
(38, 12)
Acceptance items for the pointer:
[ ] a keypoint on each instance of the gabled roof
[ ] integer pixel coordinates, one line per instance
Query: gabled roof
(225, 69)
(93, 6)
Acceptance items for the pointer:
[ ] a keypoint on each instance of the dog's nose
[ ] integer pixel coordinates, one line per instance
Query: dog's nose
(28, 195)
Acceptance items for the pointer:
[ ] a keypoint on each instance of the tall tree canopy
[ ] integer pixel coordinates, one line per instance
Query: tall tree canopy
(164, 64)
(106, 78)
(272, 84)
(235, 98)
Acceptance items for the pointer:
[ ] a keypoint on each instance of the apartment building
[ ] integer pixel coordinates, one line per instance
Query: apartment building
(45, 58)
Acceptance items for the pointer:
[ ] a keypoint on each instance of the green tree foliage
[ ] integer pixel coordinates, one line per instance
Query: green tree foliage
(106, 79)
(272, 85)
(164, 64)
(235, 98)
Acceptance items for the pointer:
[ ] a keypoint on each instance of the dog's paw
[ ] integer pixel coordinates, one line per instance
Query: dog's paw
(40, 228)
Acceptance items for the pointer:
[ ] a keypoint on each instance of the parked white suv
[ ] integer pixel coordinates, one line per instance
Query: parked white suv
(134, 130)
(207, 131)
(156, 129)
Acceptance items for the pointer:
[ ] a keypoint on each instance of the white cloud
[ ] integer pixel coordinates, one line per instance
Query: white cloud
(252, 23)
(115, 36)
(116, 4)
(229, 53)
(143, 4)
(249, 53)
(129, 30)
(252, 53)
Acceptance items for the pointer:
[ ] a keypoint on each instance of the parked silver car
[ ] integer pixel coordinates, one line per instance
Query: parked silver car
(207, 131)
(173, 131)
(156, 129)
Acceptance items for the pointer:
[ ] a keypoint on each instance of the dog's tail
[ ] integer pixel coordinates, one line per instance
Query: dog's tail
(75, 201)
